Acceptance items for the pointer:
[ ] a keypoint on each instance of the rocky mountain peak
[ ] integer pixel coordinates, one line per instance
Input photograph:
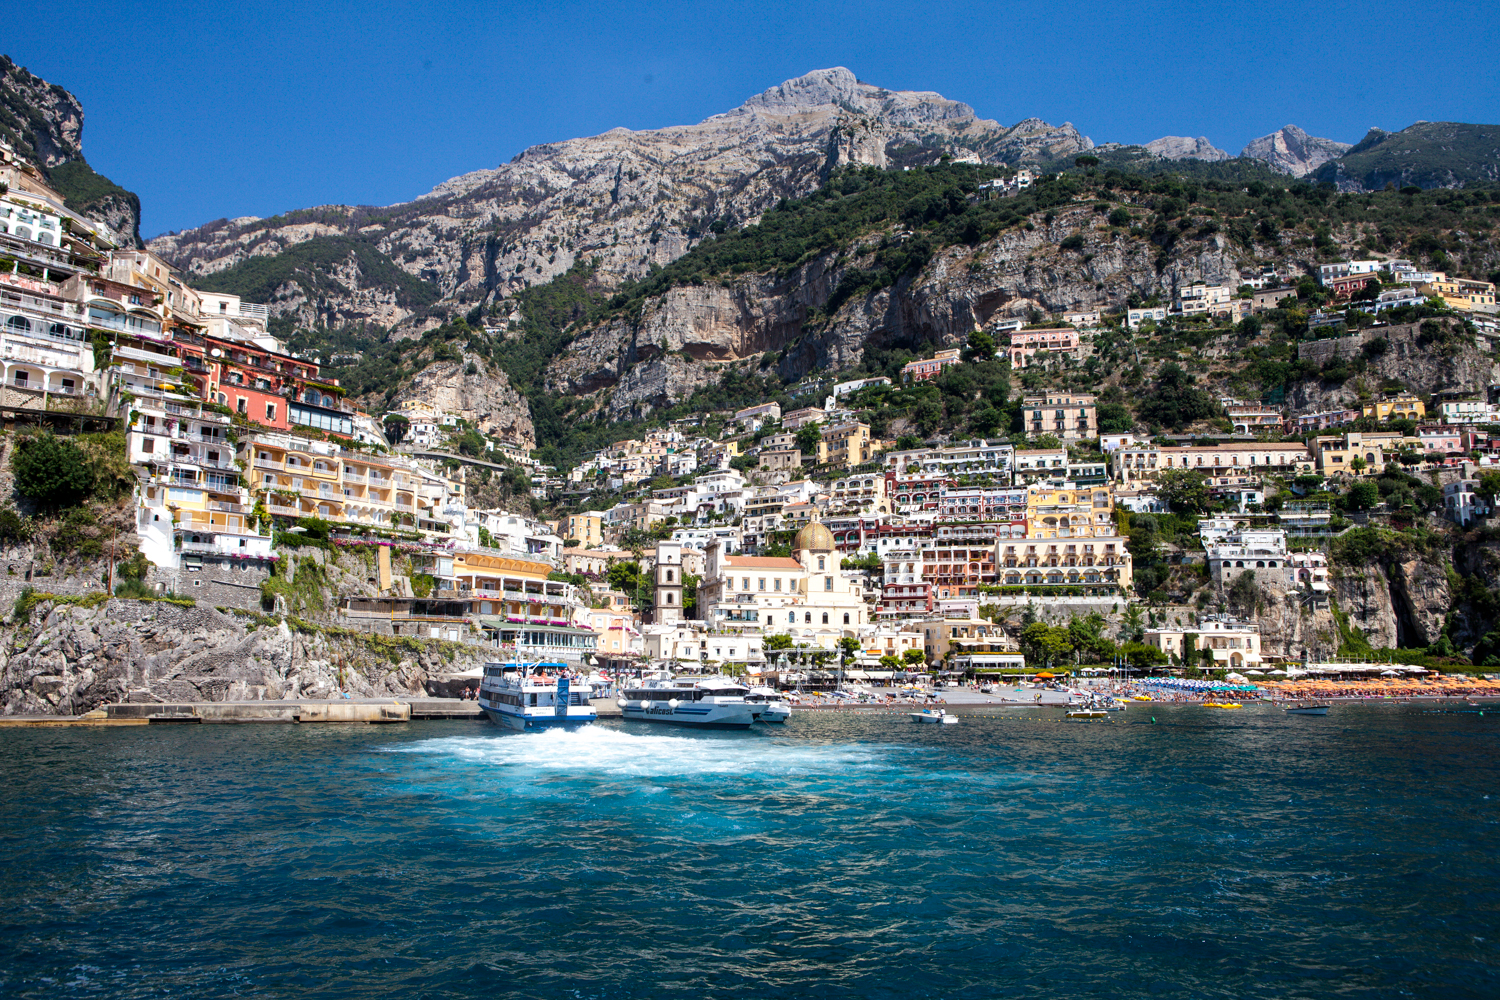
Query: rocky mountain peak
(1289, 150)
(817, 89)
(1177, 147)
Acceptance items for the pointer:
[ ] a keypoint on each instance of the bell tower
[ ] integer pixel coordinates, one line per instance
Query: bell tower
(668, 583)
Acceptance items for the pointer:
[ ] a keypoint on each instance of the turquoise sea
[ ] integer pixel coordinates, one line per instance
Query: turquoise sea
(1242, 854)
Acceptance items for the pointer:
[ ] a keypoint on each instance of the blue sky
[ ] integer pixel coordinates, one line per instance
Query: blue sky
(220, 109)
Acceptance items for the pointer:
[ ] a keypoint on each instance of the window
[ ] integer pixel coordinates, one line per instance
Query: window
(846, 618)
(827, 583)
(669, 576)
(271, 411)
(825, 618)
(807, 617)
(762, 583)
(820, 564)
(243, 405)
(778, 583)
(791, 617)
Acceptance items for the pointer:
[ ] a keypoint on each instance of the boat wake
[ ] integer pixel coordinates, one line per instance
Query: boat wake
(602, 751)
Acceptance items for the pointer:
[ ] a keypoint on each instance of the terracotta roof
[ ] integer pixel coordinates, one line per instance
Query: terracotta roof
(762, 562)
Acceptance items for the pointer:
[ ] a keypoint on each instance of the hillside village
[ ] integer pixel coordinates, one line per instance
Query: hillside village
(787, 541)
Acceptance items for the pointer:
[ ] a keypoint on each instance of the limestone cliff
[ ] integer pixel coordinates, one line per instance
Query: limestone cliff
(71, 659)
(475, 390)
(43, 123)
(684, 337)
(1425, 357)
(634, 199)
(1289, 150)
(1177, 147)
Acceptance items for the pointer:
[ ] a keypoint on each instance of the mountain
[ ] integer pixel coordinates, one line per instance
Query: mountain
(628, 200)
(1176, 147)
(1289, 150)
(1424, 155)
(43, 123)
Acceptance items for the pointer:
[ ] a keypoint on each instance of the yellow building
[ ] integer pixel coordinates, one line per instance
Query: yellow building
(1462, 294)
(847, 444)
(297, 477)
(1069, 512)
(1358, 454)
(588, 529)
(1405, 406)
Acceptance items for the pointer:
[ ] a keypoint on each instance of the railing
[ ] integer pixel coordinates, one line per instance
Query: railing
(277, 508)
(266, 463)
(123, 324)
(233, 508)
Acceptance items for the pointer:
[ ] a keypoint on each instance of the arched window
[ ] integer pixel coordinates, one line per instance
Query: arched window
(20, 324)
(827, 583)
(791, 617)
(846, 618)
(24, 232)
(807, 617)
(669, 576)
(44, 238)
(825, 618)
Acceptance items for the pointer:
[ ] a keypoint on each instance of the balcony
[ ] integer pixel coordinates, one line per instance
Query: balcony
(266, 463)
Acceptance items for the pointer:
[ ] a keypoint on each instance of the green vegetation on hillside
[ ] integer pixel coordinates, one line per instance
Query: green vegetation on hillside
(310, 265)
(89, 193)
(1424, 155)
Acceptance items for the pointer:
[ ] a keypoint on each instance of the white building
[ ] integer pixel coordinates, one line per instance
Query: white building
(1135, 317)
(1234, 645)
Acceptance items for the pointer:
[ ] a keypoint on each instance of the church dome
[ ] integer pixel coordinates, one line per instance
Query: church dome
(814, 538)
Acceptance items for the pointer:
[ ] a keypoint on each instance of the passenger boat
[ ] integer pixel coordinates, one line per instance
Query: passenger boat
(936, 715)
(708, 703)
(514, 696)
(767, 705)
(1314, 709)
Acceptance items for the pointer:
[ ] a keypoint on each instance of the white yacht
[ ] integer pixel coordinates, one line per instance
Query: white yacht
(533, 696)
(768, 705)
(707, 703)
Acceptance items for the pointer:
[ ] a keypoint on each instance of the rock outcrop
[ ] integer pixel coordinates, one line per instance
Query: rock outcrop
(1424, 154)
(43, 123)
(477, 391)
(71, 659)
(1425, 357)
(685, 336)
(629, 200)
(1177, 147)
(1289, 150)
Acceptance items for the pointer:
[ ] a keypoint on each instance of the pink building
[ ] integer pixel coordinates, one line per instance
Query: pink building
(1024, 344)
(928, 368)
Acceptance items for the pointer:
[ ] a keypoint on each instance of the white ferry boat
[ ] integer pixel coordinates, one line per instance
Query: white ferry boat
(708, 703)
(768, 705)
(533, 696)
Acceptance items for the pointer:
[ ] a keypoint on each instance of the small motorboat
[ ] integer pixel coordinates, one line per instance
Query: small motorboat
(937, 715)
(1313, 709)
(1222, 704)
(1088, 713)
(1140, 697)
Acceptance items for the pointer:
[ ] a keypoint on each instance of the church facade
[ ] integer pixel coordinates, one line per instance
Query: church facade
(805, 597)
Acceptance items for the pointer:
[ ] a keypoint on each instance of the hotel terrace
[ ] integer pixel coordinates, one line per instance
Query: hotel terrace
(297, 477)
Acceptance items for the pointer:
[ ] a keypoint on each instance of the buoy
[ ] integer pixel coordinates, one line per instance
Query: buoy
(1153, 718)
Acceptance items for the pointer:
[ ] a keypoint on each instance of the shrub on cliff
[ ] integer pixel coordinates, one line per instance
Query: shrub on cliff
(51, 472)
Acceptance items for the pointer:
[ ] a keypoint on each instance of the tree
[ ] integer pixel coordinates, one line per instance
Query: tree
(912, 657)
(1363, 495)
(1133, 626)
(1175, 401)
(1045, 643)
(778, 641)
(889, 662)
(396, 427)
(1488, 487)
(52, 472)
(849, 648)
(981, 347)
(1184, 490)
(689, 595)
(1244, 593)
(808, 437)
(1114, 418)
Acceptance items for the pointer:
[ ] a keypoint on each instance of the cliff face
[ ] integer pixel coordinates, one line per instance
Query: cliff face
(1425, 154)
(484, 398)
(634, 199)
(1290, 150)
(72, 659)
(1415, 357)
(685, 336)
(44, 124)
(1178, 147)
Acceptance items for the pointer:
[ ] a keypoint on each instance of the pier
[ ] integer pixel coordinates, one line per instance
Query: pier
(375, 711)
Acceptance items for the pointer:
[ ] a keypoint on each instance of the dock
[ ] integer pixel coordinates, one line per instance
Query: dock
(373, 711)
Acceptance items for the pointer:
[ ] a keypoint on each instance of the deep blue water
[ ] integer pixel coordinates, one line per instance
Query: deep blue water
(1237, 854)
